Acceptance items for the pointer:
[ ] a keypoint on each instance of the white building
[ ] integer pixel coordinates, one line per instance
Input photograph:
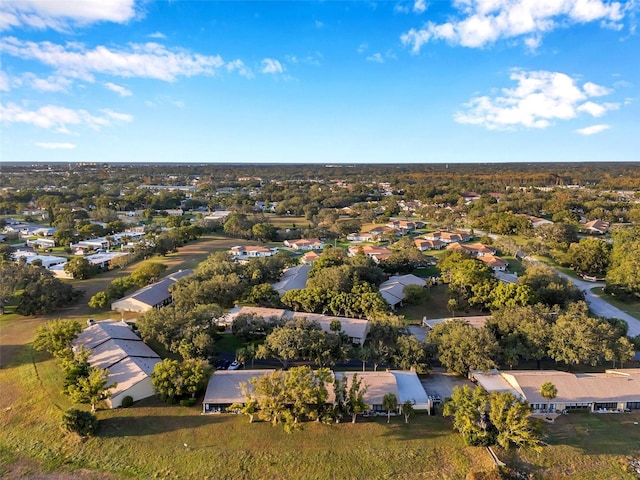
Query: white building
(130, 361)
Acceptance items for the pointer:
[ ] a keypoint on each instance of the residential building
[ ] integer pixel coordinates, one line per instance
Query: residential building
(224, 389)
(377, 254)
(392, 290)
(425, 245)
(475, 249)
(355, 328)
(613, 390)
(309, 257)
(305, 244)
(292, 278)
(448, 237)
(497, 264)
(598, 227)
(130, 361)
(152, 296)
(243, 252)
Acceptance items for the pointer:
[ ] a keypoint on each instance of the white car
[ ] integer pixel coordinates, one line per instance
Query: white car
(235, 365)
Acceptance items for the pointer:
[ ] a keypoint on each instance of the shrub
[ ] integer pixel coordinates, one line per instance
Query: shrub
(188, 402)
(127, 401)
(77, 421)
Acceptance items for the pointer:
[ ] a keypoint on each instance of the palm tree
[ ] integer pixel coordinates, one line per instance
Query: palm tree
(548, 391)
(389, 403)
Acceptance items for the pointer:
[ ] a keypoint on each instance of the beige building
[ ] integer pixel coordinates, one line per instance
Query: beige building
(611, 391)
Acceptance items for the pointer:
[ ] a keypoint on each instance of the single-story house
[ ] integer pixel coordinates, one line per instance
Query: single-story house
(423, 245)
(392, 290)
(613, 390)
(292, 278)
(102, 260)
(360, 237)
(305, 244)
(252, 251)
(497, 264)
(355, 328)
(448, 237)
(599, 227)
(309, 257)
(475, 249)
(377, 254)
(224, 388)
(42, 243)
(47, 261)
(130, 361)
(217, 216)
(152, 296)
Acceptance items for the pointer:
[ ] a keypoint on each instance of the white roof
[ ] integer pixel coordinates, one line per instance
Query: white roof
(129, 372)
(115, 346)
(378, 385)
(101, 332)
(410, 387)
(292, 278)
(224, 385)
(393, 289)
(356, 328)
(352, 327)
(113, 351)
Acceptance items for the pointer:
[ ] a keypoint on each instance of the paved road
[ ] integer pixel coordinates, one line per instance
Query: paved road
(603, 308)
(598, 305)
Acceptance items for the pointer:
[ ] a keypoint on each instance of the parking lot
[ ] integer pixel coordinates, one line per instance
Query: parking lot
(440, 384)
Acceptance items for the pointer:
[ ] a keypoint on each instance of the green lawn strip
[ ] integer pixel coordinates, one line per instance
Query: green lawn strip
(584, 446)
(630, 307)
(433, 307)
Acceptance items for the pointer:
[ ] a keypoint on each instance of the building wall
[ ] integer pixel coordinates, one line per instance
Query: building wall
(140, 390)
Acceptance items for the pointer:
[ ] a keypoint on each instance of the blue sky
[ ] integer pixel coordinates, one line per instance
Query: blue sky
(319, 82)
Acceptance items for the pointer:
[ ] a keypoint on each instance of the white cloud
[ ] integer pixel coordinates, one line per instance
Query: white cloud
(56, 145)
(149, 60)
(400, 8)
(61, 15)
(319, 24)
(157, 35)
(240, 67)
(594, 90)
(119, 89)
(5, 82)
(271, 66)
(419, 6)
(597, 109)
(57, 118)
(53, 83)
(376, 57)
(483, 22)
(593, 129)
(362, 47)
(121, 117)
(539, 98)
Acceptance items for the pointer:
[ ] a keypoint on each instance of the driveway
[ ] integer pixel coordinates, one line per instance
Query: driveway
(441, 383)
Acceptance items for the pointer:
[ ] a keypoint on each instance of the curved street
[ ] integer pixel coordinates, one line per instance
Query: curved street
(601, 307)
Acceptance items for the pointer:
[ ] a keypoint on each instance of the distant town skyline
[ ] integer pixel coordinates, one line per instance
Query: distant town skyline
(418, 81)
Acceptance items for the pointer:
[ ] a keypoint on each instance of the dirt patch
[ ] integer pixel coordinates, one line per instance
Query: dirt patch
(28, 469)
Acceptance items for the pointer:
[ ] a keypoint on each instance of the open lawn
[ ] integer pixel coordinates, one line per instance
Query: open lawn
(155, 440)
(288, 221)
(434, 307)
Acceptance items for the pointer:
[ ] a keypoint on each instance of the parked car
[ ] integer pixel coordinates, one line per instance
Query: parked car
(224, 364)
(235, 365)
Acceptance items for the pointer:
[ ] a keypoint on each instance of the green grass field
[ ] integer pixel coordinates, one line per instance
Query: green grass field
(155, 440)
